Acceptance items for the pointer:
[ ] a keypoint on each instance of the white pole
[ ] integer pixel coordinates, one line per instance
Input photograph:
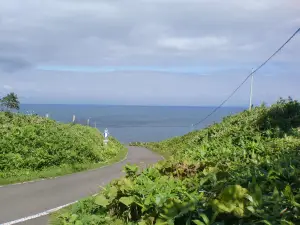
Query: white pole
(105, 136)
(251, 90)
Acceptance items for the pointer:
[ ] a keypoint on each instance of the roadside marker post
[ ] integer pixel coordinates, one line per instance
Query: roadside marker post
(105, 136)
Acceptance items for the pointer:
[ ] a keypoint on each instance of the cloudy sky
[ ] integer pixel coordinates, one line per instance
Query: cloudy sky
(149, 52)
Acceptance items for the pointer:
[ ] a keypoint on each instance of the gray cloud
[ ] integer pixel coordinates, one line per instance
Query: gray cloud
(215, 33)
(13, 64)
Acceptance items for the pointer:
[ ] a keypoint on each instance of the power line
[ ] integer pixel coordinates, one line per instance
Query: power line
(254, 71)
(211, 113)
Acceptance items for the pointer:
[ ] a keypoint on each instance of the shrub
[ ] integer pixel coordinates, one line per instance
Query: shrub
(244, 170)
(35, 143)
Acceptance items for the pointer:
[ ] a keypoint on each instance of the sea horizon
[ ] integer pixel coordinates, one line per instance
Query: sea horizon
(95, 104)
(130, 123)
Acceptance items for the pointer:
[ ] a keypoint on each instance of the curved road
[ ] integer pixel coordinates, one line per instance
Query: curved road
(24, 200)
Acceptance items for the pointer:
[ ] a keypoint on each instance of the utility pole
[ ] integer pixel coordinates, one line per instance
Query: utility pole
(251, 90)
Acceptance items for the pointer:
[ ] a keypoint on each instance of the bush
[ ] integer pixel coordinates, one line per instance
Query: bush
(244, 170)
(36, 143)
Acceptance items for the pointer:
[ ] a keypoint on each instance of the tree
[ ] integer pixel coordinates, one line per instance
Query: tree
(10, 101)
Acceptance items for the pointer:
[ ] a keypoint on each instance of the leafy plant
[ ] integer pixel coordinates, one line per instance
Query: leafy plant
(244, 170)
(29, 144)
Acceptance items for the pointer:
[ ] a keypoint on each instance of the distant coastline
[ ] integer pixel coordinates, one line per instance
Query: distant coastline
(133, 123)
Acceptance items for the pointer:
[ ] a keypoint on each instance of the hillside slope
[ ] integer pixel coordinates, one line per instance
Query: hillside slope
(235, 133)
(30, 144)
(244, 170)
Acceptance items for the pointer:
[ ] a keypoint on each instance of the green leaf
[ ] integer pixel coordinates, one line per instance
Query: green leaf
(158, 200)
(257, 195)
(78, 222)
(73, 218)
(264, 222)
(251, 209)
(198, 222)
(205, 218)
(249, 197)
(160, 221)
(275, 195)
(127, 200)
(148, 221)
(231, 200)
(288, 192)
(285, 222)
(113, 191)
(101, 200)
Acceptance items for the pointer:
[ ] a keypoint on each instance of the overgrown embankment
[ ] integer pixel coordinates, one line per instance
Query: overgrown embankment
(32, 147)
(244, 170)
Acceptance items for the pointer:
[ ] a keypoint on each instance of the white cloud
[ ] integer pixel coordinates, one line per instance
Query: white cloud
(229, 37)
(7, 87)
(193, 44)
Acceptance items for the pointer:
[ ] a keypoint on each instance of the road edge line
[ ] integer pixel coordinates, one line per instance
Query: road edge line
(49, 211)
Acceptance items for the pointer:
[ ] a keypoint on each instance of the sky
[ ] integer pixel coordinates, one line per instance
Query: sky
(148, 52)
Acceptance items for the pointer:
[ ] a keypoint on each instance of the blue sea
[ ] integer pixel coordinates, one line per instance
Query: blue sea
(134, 123)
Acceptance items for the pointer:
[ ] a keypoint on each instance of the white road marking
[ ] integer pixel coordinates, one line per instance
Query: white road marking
(47, 212)
(38, 215)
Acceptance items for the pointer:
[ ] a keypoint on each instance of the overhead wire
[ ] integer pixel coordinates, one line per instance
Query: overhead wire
(223, 102)
(244, 81)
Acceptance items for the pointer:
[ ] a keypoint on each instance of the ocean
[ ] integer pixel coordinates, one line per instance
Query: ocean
(134, 123)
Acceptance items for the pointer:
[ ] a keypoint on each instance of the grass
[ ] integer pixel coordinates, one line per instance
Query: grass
(53, 219)
(33, 147)
(50, 172)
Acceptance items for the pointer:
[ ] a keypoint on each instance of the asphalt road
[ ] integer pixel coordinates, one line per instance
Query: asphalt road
(24, 200)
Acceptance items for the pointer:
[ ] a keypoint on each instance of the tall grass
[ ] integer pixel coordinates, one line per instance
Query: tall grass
(33, 147)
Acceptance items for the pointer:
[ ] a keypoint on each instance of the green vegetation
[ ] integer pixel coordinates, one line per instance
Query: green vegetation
(10, 101)
(244, 170)
(33, 147)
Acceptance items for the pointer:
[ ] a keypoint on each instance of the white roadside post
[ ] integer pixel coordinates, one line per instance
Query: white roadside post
(105, 136)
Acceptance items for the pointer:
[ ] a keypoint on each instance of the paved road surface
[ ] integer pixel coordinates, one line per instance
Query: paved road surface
(23, 200)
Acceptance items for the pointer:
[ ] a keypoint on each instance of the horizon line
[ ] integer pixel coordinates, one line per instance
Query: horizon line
(135, 105)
